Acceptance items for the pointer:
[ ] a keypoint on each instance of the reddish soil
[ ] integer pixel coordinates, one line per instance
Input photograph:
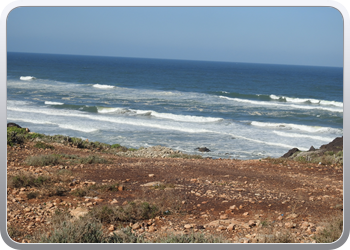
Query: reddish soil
(269, 190)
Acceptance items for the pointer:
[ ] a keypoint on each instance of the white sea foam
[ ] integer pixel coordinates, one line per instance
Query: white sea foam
(101, 86)
(183, 118)
(282, 105)
(143, 123)
(78, 128)
(27, 78)
(295, 135)
(28, 120)
(266, 142)
(311, 129)
(106, 110)
(53, 103)
(305, 100)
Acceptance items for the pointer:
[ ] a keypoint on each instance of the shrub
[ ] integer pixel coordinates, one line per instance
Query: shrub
(331, 233)
(92, 159)
(190, 238)
(131, 212)
(32, 195)
(43, 160)
(83, 230)
(15, 135)
(43, 145)
(26, 180)
(185, 156)
(79, 192)
(115, 146)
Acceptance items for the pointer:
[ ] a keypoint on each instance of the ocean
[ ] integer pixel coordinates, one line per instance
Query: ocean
(237, 110)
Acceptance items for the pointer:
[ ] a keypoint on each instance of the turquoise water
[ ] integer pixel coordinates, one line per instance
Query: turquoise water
(237, 110)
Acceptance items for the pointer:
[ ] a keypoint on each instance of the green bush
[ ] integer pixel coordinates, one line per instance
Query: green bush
(191, 238)
(26, 180)
(131, 212)
(331, 233)
(115, 146)
(43, 160)
(185, 156)
(92, 159)
(43, 145)
(15, 135)
(79, 192)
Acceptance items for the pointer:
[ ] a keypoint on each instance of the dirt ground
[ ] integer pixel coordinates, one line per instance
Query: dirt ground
(212, 193)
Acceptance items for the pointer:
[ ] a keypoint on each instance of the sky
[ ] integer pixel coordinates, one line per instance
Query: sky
(276, 35)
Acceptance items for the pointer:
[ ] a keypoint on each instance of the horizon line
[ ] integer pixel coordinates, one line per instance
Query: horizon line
(156, 58)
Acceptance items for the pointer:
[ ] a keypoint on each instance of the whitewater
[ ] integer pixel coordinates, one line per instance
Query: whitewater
(179, 104)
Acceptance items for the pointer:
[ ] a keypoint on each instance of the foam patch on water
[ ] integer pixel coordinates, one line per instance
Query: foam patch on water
(27, 78)
(101, 86)
(295, 135)
(53, 103)
(311, 129)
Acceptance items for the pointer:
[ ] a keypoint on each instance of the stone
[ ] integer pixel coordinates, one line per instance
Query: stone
(223, 216)
(111, 228)
(233, 207)
(203, 149)
(231, 227)
(290, 152)
(188, 226)
(151, 229)
(136, 226)
(79, 212)
(114, 201)
(151, 175)
(292, 216)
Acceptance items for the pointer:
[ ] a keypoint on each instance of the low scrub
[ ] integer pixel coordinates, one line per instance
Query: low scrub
(95, 189)
(43, 145)
(83, 231)
(26, 180)
(185, 156)
(190, 238)
(15, 135)
(43, 160)
(129, 213)
(332, 231)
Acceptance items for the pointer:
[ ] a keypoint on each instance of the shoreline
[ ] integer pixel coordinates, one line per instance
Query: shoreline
(323, 155)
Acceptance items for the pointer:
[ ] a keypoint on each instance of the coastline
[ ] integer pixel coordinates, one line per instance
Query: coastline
(55, 178)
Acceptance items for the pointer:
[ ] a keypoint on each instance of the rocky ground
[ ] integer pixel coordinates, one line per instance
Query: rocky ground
(239, 201)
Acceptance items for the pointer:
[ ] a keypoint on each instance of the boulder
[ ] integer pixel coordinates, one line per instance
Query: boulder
(336, 145)
(10, 124)
(203, 149)
(290, 152)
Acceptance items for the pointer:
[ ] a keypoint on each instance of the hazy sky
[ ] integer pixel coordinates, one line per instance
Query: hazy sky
(278, 35)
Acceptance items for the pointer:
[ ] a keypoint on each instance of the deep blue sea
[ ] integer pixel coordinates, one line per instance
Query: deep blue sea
(237, 110)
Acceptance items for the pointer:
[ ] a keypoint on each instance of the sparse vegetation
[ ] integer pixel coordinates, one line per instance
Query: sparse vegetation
(130, 213)
(26, 180)
(43, 160)
(332, 231)
(190, 238)
(43, 146)
(185, 156)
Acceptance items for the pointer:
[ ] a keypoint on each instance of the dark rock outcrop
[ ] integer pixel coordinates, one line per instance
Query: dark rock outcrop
(11, 124)
(290, 152)
(336, 145)
(203, 149)
(312, 149)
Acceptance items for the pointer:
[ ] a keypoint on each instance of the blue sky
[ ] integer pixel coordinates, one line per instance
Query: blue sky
(278, 35)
